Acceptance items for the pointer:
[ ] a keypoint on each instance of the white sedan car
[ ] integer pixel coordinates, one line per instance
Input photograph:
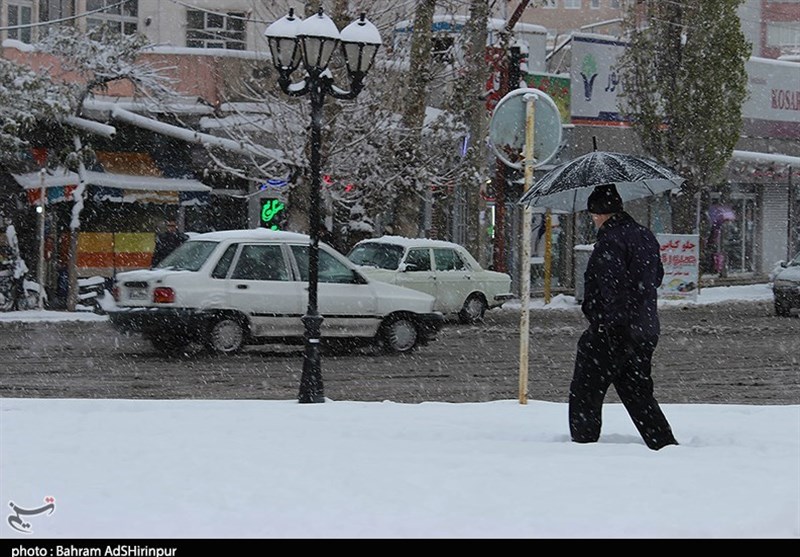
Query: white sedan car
(232, 288)
(442, 269)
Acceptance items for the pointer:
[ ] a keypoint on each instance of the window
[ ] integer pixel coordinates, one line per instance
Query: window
(382, 256)
(189, 256)
(121, 18)
(224, 263)
(782, 35)
(572, 4)
(215, 30)
(20, 14)
(448, 260)
(418, 259)
(261, 263)
(594, 4)
(330, 269)
(549, 4)
(614, 4)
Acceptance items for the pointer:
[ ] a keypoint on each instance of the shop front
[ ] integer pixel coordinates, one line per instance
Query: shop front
(117, 225)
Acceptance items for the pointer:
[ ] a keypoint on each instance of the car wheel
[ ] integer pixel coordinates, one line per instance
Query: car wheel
(782, 309)
(225, 336)
(399, 334)
(167, 344)
(473, 310)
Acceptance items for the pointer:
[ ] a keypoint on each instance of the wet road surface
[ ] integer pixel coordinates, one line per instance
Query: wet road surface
(731, 353)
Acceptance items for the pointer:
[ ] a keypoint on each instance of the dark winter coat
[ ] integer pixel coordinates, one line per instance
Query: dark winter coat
(621, 279)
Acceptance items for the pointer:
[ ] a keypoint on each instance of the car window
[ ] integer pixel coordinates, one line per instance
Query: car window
(419, 258)
(448, 260)
(224, 263)
(376, 254)
(795, 262)
(261, 262)
(189, 256)
(329, 269)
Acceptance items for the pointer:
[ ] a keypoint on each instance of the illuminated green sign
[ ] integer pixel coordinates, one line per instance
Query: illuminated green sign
(270, 212)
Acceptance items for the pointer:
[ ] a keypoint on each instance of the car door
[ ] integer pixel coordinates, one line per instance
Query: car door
(453, 280)
(348, 305)
(260, 285)
(417, 271)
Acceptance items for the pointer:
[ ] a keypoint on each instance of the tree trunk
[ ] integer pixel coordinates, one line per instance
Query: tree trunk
(684, 214)
(75, 223)
(406, 221)
(475, 115)
(298, 206)
(72, 271)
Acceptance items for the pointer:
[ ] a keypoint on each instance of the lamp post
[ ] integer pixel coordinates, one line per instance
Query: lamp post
(312, 43)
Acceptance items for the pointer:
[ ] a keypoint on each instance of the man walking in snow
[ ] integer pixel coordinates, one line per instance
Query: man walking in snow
(620, 303)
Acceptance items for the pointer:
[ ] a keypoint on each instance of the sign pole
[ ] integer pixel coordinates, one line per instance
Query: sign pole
(514, 114)
(525, 266)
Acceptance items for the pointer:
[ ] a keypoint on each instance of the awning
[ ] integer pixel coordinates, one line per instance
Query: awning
(763, 168)
(108, 186)
(32, 181)
(774, 158)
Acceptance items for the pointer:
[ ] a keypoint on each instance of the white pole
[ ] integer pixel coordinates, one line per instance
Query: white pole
(525, 263)
(40, 268)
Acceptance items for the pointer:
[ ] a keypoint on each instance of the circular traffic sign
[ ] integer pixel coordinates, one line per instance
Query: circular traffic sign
(507, 127)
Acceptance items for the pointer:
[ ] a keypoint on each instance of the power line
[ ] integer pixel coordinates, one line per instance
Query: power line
(62, 20)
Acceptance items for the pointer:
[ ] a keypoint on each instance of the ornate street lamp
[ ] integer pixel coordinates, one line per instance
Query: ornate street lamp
(312, 42)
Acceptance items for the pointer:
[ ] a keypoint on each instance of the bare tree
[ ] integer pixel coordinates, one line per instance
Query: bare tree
(408, 200)
(475, 115)
(373, 157)
(27, 98)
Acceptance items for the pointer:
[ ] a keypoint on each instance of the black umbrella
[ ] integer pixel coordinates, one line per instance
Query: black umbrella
(568, 186)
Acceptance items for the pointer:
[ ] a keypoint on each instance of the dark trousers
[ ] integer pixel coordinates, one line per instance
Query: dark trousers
(595, 370)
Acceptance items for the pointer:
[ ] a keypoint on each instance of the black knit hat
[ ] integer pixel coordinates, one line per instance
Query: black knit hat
(604, 200)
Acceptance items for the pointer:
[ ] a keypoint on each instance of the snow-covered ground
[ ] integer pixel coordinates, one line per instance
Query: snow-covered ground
(713, 295)
(349, 469)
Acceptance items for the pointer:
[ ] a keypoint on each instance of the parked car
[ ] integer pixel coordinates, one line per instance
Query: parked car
(232, 288)
(786, 287)
(443, 269)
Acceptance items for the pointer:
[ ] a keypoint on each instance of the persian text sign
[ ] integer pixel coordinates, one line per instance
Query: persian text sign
(680, 255)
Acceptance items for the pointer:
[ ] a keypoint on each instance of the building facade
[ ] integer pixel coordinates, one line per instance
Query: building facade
(211, 45)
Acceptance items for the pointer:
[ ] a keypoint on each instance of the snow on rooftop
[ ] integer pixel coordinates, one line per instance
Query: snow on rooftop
(254, 234)
(411, 242)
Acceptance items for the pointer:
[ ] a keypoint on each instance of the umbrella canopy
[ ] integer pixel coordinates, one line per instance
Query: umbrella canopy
(567, 187)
